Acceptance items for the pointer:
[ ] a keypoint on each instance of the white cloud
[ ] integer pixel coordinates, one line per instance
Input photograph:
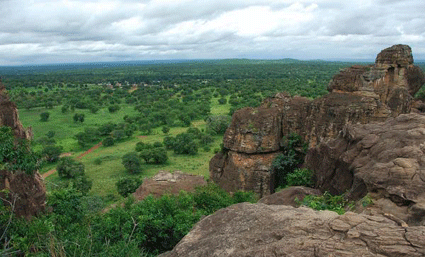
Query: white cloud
(95, 30)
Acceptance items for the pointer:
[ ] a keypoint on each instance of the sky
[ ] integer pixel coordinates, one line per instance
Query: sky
(69, 31)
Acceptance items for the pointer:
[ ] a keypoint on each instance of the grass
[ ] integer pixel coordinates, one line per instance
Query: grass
(106, 174)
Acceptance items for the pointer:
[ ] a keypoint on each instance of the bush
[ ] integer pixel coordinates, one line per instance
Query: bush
(44, 116)
(292, 156)
(165, 129)
(113, 108)
(336, 203)
(126, 186)
(69, 168)
(108, 141)
(51, 153)
(98, 161)
(300, 177)
(185, 144)
(132, 162)
(82, 184)
(79, 117)
(218, 124)
(222, 101)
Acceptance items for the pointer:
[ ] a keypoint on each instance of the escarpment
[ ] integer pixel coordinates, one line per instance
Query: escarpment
(357, 95)
(26, 192)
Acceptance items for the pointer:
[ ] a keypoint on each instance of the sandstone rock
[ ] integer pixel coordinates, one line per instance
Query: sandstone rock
(289, 196)
(359, 94)
(9, 115)
(27, 191)
(255, 175)
(385, 159)
(276, 230)
(168, 183)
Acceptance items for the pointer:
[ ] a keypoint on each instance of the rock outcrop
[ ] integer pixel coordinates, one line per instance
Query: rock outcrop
(26, 192)
(168, 183)
(359, 94)
(276, 230)
(385, 159)
(290, 196)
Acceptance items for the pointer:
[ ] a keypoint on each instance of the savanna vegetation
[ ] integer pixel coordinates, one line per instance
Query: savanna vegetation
(140, 118)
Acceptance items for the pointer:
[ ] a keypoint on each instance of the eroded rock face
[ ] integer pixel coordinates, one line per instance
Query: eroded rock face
(168, 183)
(359, 94)
(9, 115)
(276, 230)
(384, 159)
(289, 196)
(28, 192)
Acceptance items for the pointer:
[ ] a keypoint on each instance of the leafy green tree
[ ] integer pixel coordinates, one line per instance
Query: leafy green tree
(44, 116)
(69, 168)
(222, 101)
(218, 124)
(291, 158)
(165, 129)
(113, 108)
(82, 184)
(185, 144)
(108, 141)
(88, 136)
(126, 186)
(132, 162)
(51, 153)
(79, 117)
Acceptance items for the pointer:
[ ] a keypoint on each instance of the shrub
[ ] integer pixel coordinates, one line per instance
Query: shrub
(126, 186)
(69, 168)
(82, 184)
(336, 203)
(185, 144)
(113, 108)
(79, 117)
(44, 116)
(131, 162)
(165, 129)
(108, 141)
(98, 161)
(51, 153)
(300, 177)
(218, 124)
(292, 156)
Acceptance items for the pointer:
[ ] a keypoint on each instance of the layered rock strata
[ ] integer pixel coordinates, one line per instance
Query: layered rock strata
(276, 230)
(359, 94)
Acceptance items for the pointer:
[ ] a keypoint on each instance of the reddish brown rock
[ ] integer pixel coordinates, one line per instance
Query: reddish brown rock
(383, 159)
(289, 196)
(359, 94)
(27, 192)
(277, 230)
(168, 183)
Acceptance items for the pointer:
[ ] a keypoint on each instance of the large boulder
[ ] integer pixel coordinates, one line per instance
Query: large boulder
(168, 183)
(359, 94)
(385, 159)
(290, 196)
(276, 230)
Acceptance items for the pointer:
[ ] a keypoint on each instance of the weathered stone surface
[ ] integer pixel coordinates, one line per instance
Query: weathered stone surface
(28, 192)
(359, 94)
(9, 115)
(168, 183)
(255, 175)
(289, 196)
(254, 130)
(276, 230)
(385, 159)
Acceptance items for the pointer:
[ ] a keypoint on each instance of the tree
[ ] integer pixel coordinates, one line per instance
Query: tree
(165, 129)
(218, 124)
(113, 108)
(44, 116)
(79, 117)
(131, 162)
(185, 144)
(126, 186)
(69, 168)
(51, 153)
(108, 141)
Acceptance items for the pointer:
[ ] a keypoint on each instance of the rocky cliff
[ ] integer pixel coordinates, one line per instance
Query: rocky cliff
(359, 94)
(28, 192)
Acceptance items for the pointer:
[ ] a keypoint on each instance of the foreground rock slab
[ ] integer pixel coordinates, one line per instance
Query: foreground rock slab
(274, 230)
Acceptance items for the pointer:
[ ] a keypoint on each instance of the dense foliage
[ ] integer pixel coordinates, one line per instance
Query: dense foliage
(336, 203)
(16, 155)
(77, 227)
(292, 156)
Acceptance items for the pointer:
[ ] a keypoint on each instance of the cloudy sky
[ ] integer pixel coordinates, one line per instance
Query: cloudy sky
(55, 31)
